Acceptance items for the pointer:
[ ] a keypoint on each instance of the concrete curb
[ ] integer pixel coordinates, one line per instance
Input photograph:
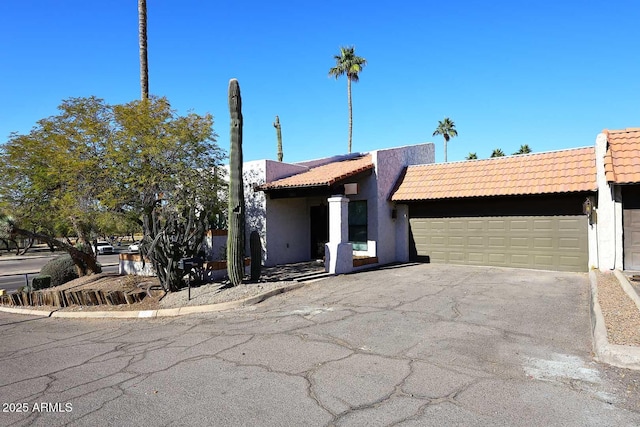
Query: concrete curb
(164, 312)
(32, 312)
(623, 356)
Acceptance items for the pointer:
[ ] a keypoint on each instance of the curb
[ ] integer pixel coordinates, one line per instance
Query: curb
(622, 356)
(163, 312)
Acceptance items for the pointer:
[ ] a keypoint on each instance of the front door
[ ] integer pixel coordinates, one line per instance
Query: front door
(319, 219)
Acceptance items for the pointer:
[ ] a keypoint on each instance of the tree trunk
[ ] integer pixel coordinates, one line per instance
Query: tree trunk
(350, 110)
(142, 40)
(445, 148)
(80, 258)
(27, 247)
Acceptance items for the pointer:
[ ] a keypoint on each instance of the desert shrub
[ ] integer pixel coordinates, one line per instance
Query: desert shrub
(40, 282)
(61, 269)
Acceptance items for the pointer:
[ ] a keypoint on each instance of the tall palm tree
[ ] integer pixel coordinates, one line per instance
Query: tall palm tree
(447, 129)
(350, 64)
(524, 149)
(471, 156)
(497, 153)
(142, 41)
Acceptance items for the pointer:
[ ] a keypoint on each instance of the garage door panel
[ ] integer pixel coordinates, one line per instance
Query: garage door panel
(542, 225)
(543, 242)
(475, 241)
(457, 241)
(456, 257)
(631, 238)
(569, 243)
(496, 242)
(550, 243)
(498, 258)
(519, 260)
(519, 243)
(499, 224)
(521, 225)
(438, 240)
(476, 258)
(475, 225)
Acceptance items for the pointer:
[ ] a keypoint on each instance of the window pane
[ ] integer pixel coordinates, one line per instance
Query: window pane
(358, 223)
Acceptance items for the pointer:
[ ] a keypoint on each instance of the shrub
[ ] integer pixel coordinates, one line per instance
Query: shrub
(61, 269)
(40, 282)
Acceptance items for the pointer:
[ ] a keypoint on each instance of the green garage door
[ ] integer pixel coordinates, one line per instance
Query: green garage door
(541, 242)
(631, 222)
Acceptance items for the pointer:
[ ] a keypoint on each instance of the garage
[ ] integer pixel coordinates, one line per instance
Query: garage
(631, 221)
(519, 211)
(557, 243)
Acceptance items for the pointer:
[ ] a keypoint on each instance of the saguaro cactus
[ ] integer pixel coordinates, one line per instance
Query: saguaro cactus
(235, 238)
(276, 125)
(256, 255)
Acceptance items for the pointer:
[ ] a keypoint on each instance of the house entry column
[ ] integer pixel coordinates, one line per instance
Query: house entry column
(338, 251)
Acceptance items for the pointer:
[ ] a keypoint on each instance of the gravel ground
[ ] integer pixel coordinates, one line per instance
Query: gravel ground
(621, 315)
(216, 293)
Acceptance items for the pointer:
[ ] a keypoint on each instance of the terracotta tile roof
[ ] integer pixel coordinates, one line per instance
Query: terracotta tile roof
(552, 172)
(324, 175)
(622, 160)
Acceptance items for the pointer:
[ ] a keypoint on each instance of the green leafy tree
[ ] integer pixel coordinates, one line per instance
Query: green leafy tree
(349, 64)
(471, 156)
(53, 174)
(497, 153)
(95, 164)
(524, 149)
(446, 128)
(173, 178)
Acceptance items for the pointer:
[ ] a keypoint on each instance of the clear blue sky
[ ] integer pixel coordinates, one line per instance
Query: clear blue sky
(551, 74)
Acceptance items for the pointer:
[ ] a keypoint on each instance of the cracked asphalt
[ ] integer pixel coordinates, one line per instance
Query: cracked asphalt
(407, 346)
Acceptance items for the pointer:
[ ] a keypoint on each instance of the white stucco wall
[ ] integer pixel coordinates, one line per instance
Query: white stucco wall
(389, 164)
(287, 231)
(402, 233)
(257, 205)
(253, 174)
(607, 255)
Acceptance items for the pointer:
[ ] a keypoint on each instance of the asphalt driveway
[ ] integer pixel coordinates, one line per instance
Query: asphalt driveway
(412, 346)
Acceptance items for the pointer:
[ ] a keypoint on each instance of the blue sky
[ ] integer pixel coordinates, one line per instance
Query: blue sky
(551, 74)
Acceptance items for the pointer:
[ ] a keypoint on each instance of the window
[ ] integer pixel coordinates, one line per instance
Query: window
(358, 224)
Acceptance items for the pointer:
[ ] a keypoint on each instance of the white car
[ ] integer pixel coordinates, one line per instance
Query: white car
(135, 246)
(104, 248)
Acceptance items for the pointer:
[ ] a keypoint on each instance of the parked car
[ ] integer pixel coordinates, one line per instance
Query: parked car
(135, 246)
(104, 248)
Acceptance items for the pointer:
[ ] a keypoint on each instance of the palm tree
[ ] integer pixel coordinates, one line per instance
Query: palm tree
(497, 153)
(142, 41)
(524, 149)
(471, 156)
(447, 129)
(350, 64)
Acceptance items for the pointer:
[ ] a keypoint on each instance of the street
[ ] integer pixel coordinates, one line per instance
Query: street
(14, 273)
(413, 346)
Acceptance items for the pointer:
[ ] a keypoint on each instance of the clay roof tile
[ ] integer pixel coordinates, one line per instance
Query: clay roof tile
(539, 173)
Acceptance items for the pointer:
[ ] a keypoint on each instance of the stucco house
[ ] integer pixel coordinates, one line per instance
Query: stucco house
(618, 210)
(565, 210)
(343, 201)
